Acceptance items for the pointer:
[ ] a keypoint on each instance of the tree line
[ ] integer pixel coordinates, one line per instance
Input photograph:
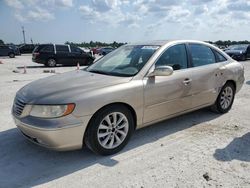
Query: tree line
(228, 42)
(115, 44)
(92, 44)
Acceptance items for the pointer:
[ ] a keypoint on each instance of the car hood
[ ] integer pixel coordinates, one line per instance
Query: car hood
(62, 88)
(234, 51)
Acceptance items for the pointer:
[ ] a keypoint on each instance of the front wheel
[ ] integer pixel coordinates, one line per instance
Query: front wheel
(225, 99)
(109, 130)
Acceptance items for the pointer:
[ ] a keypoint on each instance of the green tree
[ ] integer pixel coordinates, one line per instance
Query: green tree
(1, 41)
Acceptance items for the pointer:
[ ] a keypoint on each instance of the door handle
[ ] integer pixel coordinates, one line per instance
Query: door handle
(187, 81)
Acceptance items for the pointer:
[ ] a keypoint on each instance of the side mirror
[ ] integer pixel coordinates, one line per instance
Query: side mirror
(161, 71)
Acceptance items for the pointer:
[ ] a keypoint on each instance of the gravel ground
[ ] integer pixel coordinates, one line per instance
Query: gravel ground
(199, 149)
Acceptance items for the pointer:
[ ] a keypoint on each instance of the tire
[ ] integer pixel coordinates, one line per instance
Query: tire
(243, 58)
(51, 62)
(11, 55)
(103, 137)
(226, 94)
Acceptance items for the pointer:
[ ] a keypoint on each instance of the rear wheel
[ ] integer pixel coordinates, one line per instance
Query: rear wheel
(109, 130)
(51, 63)
(225, 99)
(11, 55)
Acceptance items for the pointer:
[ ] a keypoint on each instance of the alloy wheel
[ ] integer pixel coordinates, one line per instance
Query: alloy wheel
(51, 62)
(112, 130)
(226, 97)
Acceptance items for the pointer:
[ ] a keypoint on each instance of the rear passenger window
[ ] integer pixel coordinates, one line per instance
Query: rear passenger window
(220, 58)
(62, 48)
(175, 56)
(48, 48)
(201, 55)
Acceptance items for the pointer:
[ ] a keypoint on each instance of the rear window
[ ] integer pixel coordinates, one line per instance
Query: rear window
(4, 47)
(219, 57)
(201, 55)
(62, 48)
(48, 48)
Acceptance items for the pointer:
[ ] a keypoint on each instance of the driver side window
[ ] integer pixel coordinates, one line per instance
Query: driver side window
(175, 56)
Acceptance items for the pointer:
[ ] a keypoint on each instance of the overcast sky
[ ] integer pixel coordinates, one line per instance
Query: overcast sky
(58, 21)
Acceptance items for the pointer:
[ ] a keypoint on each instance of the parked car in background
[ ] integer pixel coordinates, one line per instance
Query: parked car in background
(133, 87)
(53, 54)
(15, 48)
(95, 50)
(26, 48)
(87, 50)
(6, 51)
(239, 51)
(105, 50)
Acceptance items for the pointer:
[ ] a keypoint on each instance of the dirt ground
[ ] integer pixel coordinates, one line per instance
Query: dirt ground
(199, 149)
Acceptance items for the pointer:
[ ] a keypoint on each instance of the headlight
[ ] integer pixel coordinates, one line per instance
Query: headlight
(51, 111)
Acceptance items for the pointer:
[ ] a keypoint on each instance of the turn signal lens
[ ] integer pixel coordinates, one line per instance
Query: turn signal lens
(69, 110)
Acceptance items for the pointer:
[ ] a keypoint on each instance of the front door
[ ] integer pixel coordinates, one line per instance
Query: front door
(167, 95)
(78, 56)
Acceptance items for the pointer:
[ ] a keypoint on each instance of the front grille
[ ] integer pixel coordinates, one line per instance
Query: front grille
(18, 107)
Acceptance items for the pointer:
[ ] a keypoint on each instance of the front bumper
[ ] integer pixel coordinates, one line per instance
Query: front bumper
(56, 136)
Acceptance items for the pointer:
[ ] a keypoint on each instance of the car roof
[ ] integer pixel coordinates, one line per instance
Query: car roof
(164, 42)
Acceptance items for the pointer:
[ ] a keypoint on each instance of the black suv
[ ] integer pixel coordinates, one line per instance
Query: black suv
(53, 54)
(6, 51)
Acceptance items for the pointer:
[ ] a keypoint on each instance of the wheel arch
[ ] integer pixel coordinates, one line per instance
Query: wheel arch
(233, 82)
(129, 107)
(11, 53)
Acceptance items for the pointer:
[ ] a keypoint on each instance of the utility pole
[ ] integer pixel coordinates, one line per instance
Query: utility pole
(31, 40)
(23, 35)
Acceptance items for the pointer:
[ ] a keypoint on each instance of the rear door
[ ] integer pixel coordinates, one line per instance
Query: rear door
(62, 54)
(208, 67)
(45, 52)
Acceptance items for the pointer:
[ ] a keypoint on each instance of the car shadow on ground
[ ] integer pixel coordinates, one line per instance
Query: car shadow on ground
(42, 66)
(25, 164)
(4, 57)
(32, 67)
(238, 149)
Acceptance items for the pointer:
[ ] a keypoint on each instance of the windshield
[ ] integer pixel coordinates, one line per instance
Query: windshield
(125, 61)
(238, 47)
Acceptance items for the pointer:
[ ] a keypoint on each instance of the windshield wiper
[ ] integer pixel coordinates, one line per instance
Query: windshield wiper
(99, 72)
